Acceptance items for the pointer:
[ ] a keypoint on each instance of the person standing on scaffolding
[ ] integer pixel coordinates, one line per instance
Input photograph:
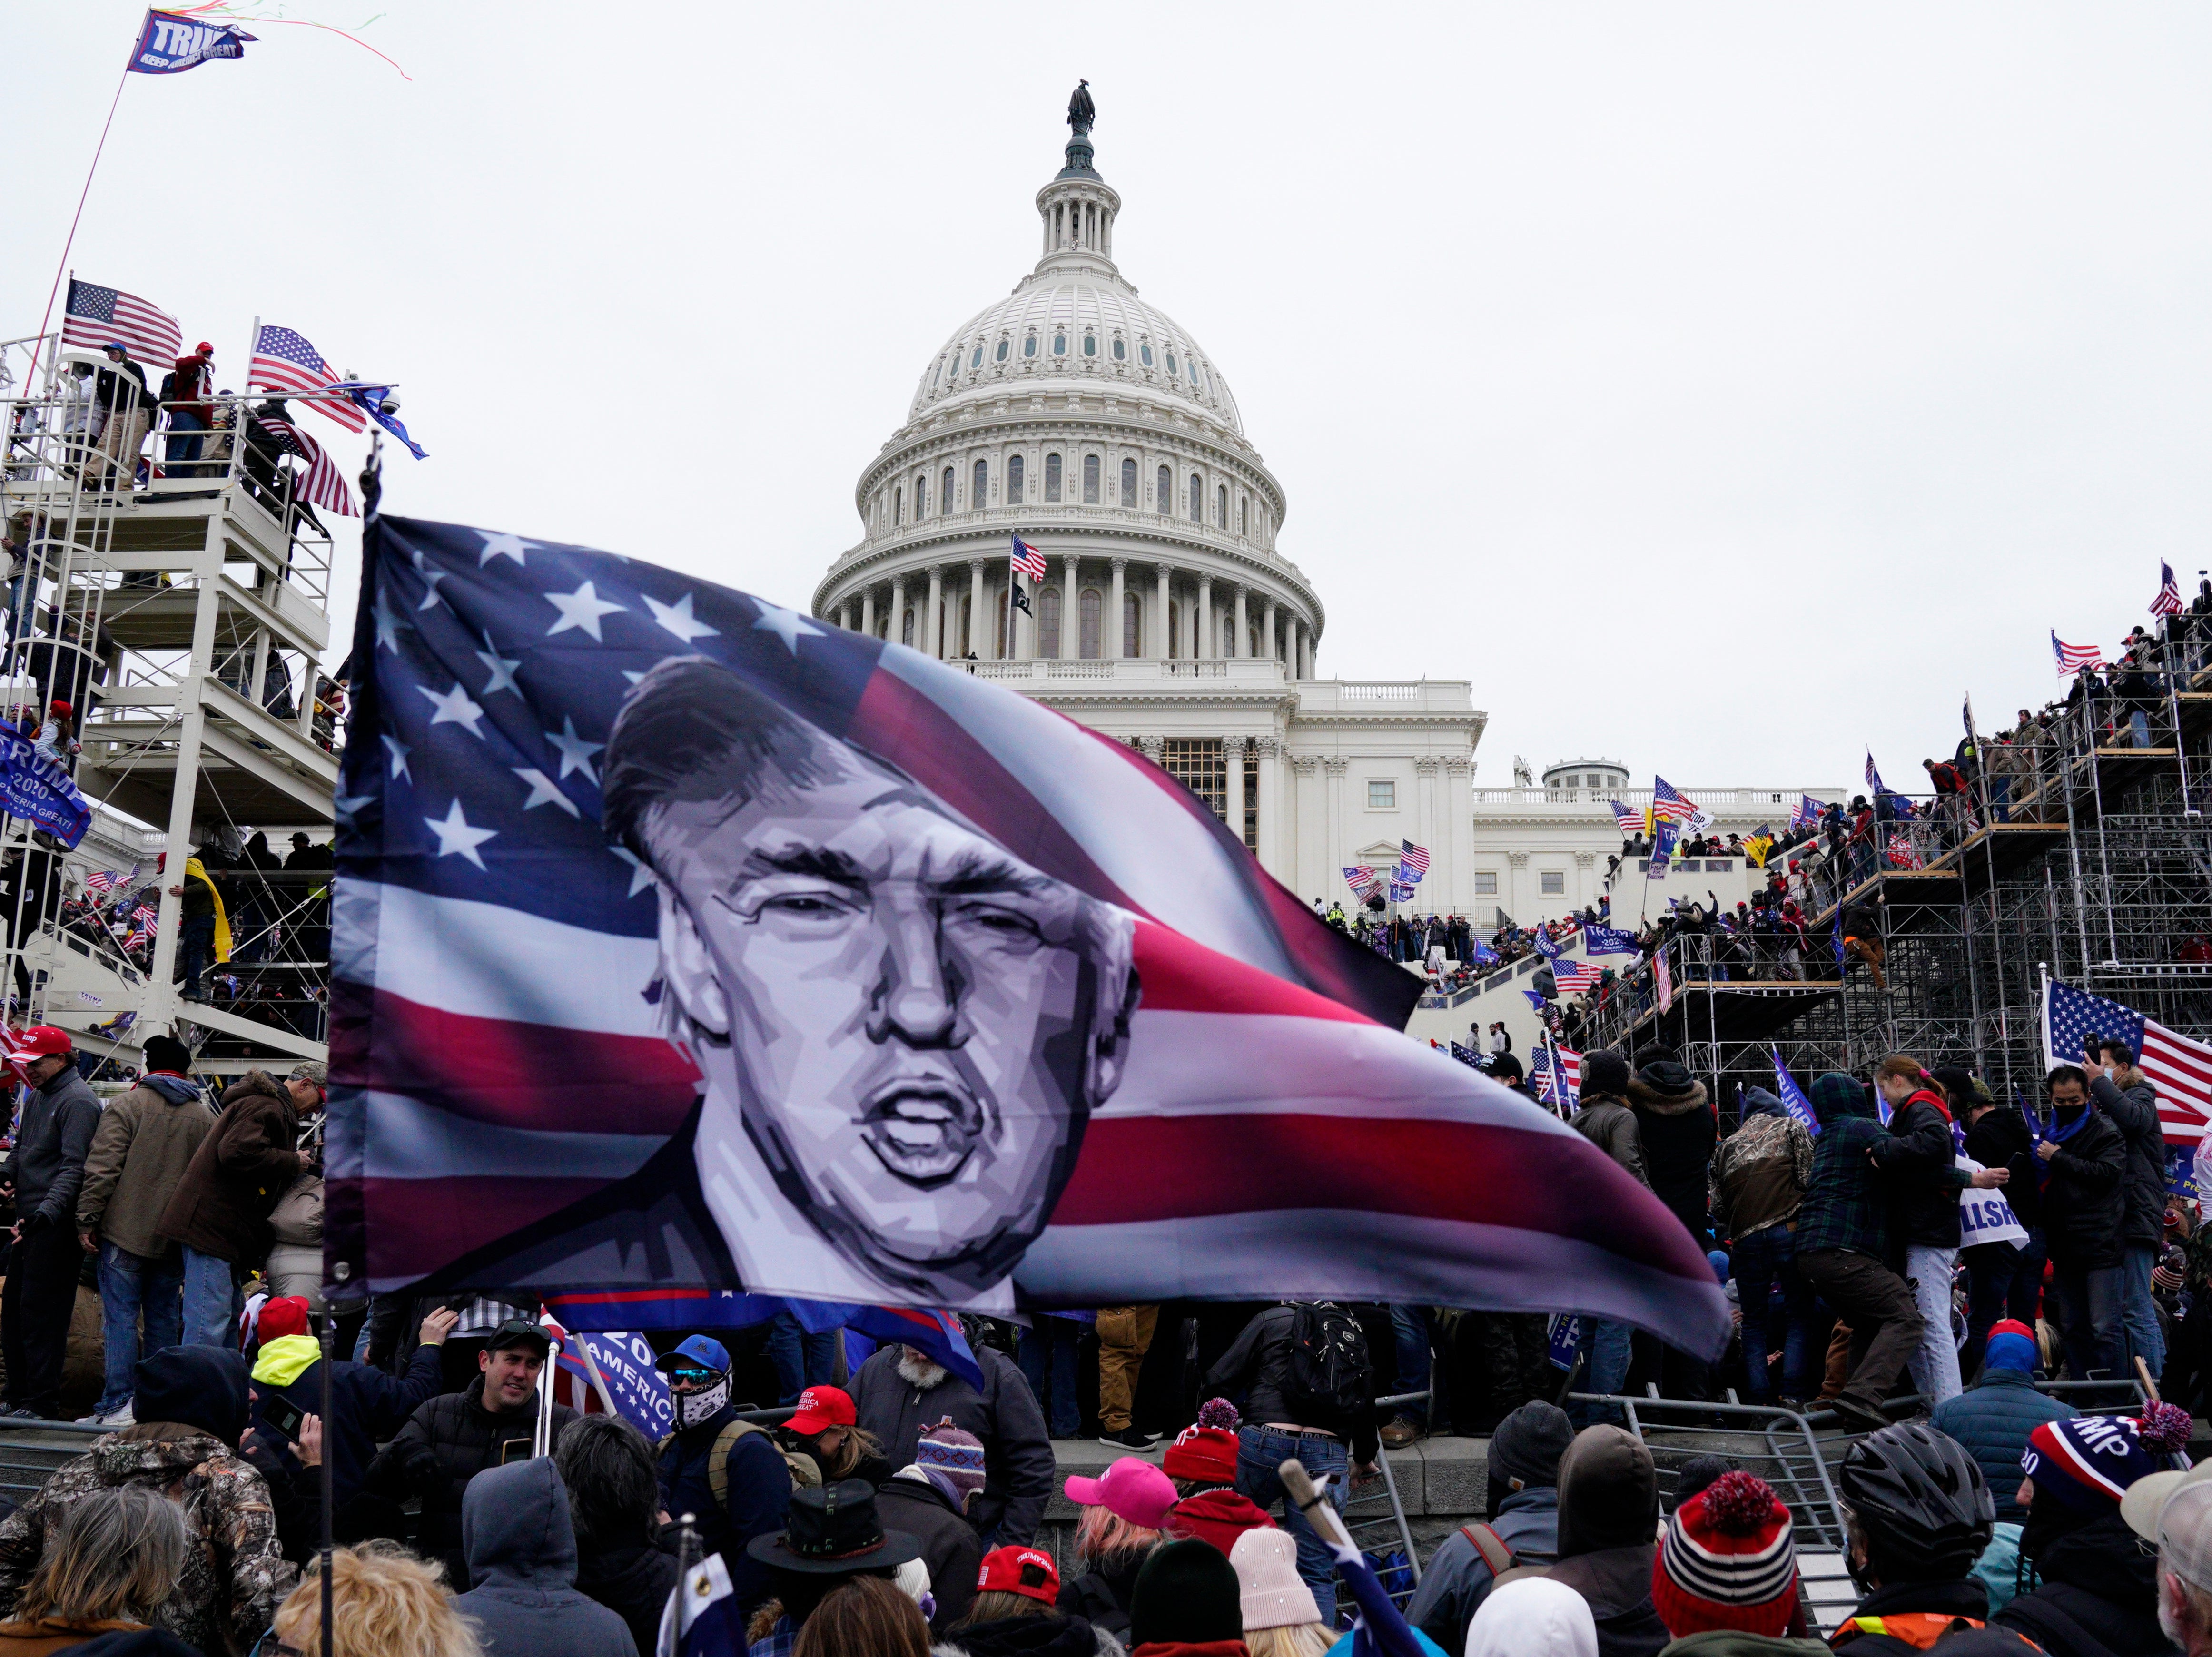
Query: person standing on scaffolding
(184, 393)
(121, 402)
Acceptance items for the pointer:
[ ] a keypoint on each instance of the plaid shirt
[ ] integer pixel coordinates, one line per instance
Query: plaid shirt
(1845, 1205)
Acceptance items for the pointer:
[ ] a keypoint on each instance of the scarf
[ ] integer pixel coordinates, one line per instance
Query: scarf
(194, 870)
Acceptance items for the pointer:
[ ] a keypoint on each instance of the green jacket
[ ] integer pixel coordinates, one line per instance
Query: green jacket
(140, 1152)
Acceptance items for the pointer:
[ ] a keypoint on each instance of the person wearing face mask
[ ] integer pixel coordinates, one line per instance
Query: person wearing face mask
(725, 1472)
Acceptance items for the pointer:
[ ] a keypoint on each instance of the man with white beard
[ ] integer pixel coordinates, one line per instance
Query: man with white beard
(899, 1393)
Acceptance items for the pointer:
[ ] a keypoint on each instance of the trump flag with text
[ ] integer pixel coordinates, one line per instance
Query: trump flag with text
(684, 938)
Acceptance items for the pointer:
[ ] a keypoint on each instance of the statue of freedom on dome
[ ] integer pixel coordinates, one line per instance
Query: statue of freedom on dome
(1081, 111)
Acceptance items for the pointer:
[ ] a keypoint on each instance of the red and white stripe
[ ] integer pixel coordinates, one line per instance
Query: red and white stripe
(152, 335)
(2181, 1071)
(322, 484)
(2072, 659)
(1415, 858)
(1028, 560)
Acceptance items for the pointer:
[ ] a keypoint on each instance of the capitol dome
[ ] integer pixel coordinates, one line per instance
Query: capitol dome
(1087, 423)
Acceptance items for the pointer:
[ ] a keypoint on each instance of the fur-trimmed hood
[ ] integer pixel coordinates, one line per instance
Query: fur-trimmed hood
(1666, 1090)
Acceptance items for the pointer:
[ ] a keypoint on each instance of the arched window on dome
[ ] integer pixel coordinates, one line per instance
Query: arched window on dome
(1090, 607)
(1029, 346)
(1090, 480)
(946, 487)
(1090, 345)
(1132, 625)
(1229, 633)
(1163, 492)
(977, 361)
(1191, 365)
(1060, 344)
(999, 356)
(906, 626)
(1014, 485)
(1171, 368)
(898, 508)
(1197, 498)
(1052, 477)
(1048, 622)
(1220, 508)
(1128, 483)
(1244, 516)
(1145, 352)
(1175, 629)
(1121, 349)
(979, 491)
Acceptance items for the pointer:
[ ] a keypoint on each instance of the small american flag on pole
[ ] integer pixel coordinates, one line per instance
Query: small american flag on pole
(322, 484)
(1630, 821)
(2072, 659)
(1575, 976)
(2179, 1067)
(106, 880)
(1028, 560)
(2168, 602)
(1667, 802)
(94, 315)
(142, 925)
(285, 363)
(1416, 857)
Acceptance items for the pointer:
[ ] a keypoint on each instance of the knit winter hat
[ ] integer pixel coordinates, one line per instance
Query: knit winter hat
(2012, 1346)
(1272, 1593)
(1605, 1072)
(1206, 1449)
(1187, 1594)
(2087, 1463)
(950, 1457)
(1728, 1562)
(1529, 1444)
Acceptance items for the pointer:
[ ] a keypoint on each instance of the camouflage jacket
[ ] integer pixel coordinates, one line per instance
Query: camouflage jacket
(234, 1575)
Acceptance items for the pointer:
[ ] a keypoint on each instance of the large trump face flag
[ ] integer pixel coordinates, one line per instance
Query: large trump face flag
(684, 940)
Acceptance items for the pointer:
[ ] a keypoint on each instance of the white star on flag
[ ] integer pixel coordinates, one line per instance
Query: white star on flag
(503, 545)
(544, 791)
(454, 707)
(575, 752)
(640, 875)
(503, 669)
(387, 624)
(399, 752)
(785, 624)
(455, 835)
(581, 608)
(678, 620)
(344, 805)
(430, 579)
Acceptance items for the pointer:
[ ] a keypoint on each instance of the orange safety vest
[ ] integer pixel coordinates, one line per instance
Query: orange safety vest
(1917, 1628)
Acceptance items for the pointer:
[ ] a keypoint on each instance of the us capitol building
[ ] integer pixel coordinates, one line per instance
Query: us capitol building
(1091, 424)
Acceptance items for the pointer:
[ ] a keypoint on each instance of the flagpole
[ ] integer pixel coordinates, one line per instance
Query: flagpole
(82, 196)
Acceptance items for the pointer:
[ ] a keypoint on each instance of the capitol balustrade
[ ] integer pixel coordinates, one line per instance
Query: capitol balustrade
(1226, 671)
(1040, 523)
(1735, 802)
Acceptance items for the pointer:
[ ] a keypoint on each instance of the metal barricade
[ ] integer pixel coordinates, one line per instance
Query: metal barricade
(1374, 1514)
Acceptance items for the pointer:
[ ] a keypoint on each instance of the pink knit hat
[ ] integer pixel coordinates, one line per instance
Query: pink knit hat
(1132, 1488)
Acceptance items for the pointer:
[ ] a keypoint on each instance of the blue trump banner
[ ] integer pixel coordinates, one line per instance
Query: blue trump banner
(1607, 940)
(169, 44)
(638, 1391)
(1793, 1097)
(35, 788)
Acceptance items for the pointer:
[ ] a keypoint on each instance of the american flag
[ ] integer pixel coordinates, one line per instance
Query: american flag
(508, 1106)
(285, 363)
(2168, 602)
(95, 315)
(1666, 803)
(1664, 976)
(1362, 880)
(1903, 853)
(2179, 1066)
(322, 484)
(142, 920)
(1874, 777)
(2072, 659)
(1561, 1086)
(105, 880)
(1630, 821)
(1575, 976)
(1415, 858)
(1028, 560)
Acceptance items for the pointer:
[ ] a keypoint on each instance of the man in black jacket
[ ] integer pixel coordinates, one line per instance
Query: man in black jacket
(451, 1438)
(2124, 1093)
(2004, 1280)
(2084, 1165)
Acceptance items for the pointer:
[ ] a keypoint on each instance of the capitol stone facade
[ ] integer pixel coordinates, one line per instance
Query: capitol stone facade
(1088, 423)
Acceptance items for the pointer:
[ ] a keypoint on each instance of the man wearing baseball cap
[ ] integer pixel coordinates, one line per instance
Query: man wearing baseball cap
(725, 1472)
(43, 1174)
(2174, 1510)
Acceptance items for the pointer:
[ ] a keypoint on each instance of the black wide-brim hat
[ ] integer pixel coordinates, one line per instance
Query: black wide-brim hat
(833, 1531)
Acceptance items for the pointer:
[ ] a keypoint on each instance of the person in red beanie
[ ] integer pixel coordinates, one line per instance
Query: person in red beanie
(1203, 1463)
(1728, 1562)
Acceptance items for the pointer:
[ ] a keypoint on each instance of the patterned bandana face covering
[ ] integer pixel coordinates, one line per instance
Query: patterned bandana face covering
(694, 1408)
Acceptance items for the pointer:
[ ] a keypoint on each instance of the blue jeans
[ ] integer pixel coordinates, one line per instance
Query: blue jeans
(1762, 1261)
(1259, 1454)
(1047, 1360)
(209, 1308)
(801, 1360)
(132, 1286)
(2138, 1311)
(1605, 1348)
(195, 947)
(182, 450)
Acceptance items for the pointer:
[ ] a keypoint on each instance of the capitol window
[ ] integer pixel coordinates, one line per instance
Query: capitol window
(1090, 345)
(1052, 477)
(1133, 623)
(977, 361)
(921, 497)
(1197, 498)
(1121, 349)
(1060, 344)
(1145, 354)
(1381, 796)
(898, 508)
(1164, 492)
(944, 492)
(1191, 364)
(1001, 353)
(1486, 883)
(1029, 346)
(1244, 516)
(1171, 368)
(1090, 480)
(980, 490)
(1013, 479)
(1128, 483)
(1552, 883)
(1221, 508)
(1048, 622)
(1089, 608)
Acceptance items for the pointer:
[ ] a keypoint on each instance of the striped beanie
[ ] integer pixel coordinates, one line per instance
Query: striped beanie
(2087, 1463)
(951, 1460)
(1727, 1562)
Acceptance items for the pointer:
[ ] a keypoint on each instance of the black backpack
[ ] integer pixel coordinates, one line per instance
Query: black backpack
(1330, 1380)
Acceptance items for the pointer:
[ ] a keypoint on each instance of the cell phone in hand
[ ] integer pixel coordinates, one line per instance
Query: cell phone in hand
(282, 1417)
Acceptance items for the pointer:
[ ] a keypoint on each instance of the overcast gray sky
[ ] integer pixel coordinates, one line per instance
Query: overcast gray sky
(1719, 388)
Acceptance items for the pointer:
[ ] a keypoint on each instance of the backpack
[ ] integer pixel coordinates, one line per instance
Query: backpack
(1489, 1547)
(1329, 1378)
(804, 1474)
